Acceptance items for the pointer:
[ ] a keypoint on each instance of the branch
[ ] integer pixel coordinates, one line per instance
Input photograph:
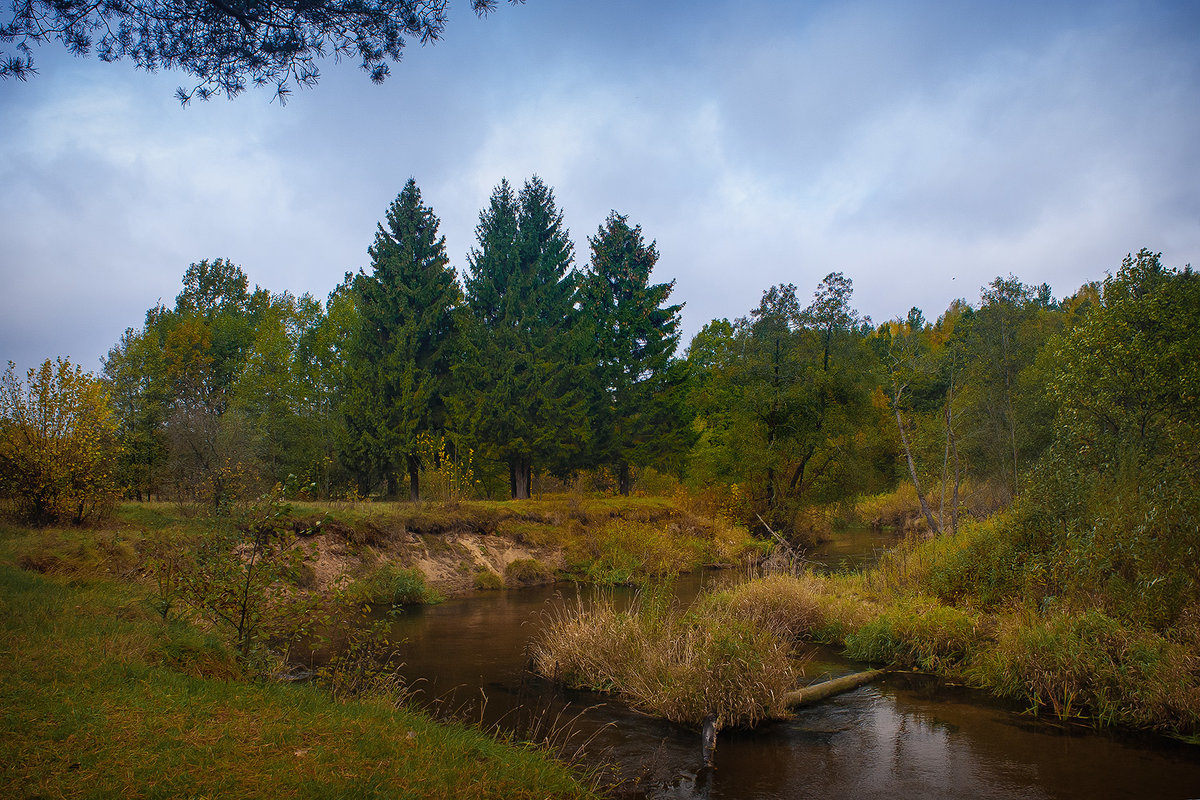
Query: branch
(240, 17)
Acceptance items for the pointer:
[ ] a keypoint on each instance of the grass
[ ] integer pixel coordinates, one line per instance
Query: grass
(393, 585)
(1088, 665)
(972, 608)
(527, 572)
(682, 666)
(103, 698)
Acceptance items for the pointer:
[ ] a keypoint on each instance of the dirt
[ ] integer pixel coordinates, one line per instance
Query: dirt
(449, 559)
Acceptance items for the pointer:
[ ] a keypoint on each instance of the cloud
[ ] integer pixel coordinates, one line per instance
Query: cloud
(918, 148)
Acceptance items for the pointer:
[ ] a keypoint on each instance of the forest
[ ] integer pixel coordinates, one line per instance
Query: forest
(532, 371)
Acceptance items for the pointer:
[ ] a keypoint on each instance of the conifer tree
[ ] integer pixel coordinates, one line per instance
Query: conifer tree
(399, 361)
(638, 411)
(524, 370)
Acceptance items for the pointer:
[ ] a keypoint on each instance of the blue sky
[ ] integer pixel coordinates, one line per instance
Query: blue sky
(920, 148)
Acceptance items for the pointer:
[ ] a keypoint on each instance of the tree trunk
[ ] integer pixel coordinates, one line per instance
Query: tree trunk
(957, 481)
(414, 477)
(520, 474)
(623, 479)
(820, 691)
(912, 468)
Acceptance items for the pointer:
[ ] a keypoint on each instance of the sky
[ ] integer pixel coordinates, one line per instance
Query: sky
(920, 148)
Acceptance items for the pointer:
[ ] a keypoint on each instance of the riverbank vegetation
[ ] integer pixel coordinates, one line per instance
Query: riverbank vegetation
(104, 697)
(1039, 453)
(683, 665)
(1080, 596)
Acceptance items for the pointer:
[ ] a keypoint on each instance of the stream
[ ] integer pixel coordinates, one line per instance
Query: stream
(904, 736)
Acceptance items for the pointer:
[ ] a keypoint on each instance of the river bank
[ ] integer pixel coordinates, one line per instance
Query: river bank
(114, 685)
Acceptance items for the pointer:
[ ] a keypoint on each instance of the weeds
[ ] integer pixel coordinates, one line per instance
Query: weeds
(784, 604)
(393, 585)
(1090, 665)
(528, 572)
(680, 666)
(920, 634)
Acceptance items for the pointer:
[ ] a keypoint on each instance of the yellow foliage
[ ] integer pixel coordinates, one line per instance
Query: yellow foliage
(57, 443)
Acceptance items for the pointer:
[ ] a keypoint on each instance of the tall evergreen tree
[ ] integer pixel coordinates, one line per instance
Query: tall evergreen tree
(639, 409)
(523, 374)
(400, 358)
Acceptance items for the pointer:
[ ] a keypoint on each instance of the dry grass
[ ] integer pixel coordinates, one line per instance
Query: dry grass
(682, 667)
(788, 605)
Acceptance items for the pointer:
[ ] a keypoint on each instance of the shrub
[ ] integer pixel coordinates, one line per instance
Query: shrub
(528, 572)
(625, 552)
(1089, 664)
(921, 634)
(682, 667)
(57, 443)
(781, 603)
(395, 585)
(488, 581)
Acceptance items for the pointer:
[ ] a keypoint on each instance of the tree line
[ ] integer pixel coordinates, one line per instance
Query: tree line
(527, 365)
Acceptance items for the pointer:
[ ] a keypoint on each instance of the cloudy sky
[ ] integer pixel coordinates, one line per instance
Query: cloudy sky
(922, 148)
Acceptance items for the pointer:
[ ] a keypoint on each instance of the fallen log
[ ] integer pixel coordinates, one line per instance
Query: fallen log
(819, 691)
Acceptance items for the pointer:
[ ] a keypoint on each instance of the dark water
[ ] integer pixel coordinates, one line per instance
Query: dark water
(903, 737)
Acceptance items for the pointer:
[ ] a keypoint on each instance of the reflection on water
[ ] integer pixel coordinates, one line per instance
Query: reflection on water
(905, 736)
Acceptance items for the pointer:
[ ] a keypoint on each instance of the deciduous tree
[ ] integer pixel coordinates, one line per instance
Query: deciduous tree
(58, 443)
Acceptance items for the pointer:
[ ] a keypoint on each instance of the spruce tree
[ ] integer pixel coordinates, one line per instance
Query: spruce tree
(399, 361)
(525, 360)
(639, 410)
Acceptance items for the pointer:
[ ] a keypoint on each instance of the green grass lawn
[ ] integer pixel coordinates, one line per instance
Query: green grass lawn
(101, 698)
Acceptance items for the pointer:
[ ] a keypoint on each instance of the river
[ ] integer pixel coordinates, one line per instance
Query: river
(902, 737)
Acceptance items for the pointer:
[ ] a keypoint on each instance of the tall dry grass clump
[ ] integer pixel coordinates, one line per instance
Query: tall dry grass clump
(681, 666)
(787, 605)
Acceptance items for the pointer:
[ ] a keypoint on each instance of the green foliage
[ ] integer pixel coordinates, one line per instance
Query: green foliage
(782, 397)
(227, 48)
(528, 572)
(988, 564)
(1128, 384)
(229, 577)
(163, 712)
(1005, 417)
(398, 365)
(920, 634)
(625, 552)
(639, 416)
(487, 581)
(524, 371)
(367, 667)
(132, 372)
(57, 443)
(190, 651)
(392, 585)
(1090, 665)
